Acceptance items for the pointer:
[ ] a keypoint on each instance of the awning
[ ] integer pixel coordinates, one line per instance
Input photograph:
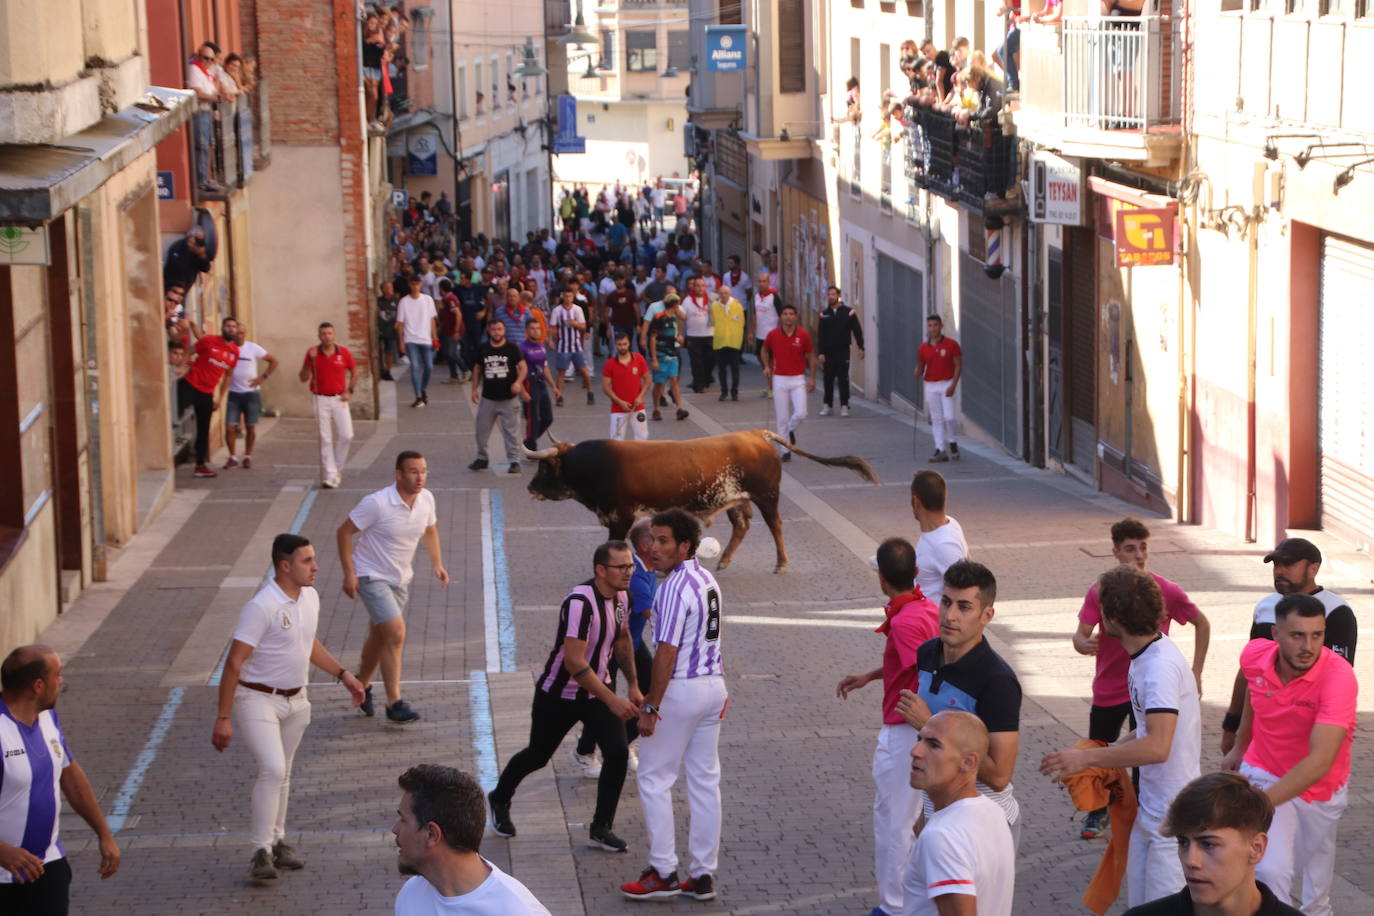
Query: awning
(38, 181)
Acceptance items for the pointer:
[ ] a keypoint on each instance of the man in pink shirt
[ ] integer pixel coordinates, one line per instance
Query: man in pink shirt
(1294, 744)
(1111, 704)
(912, 619)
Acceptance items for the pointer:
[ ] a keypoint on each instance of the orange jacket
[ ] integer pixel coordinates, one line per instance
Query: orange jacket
(1093, 788)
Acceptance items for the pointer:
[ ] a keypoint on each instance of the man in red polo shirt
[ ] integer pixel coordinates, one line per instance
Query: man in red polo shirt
(329, 371)
(625, 379)
(912, 618)
(789, 362)
(1294, 744)
(939, 363)
(211, 359)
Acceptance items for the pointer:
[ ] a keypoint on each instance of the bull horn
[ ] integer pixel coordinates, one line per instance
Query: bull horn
(552, 438)
(541, 454)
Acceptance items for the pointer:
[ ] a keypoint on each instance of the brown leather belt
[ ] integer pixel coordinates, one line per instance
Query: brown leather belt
(263, 688)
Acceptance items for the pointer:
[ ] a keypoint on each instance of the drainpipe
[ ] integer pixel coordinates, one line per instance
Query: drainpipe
(86, 239)
(1252, 325)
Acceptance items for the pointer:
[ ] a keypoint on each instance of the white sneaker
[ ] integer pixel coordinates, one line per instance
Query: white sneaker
(844, 411)
(825, 411)
(589, 764)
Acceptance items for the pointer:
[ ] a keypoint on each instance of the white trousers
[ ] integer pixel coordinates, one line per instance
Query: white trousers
(687, 736)
(336, 434)
(789, 402)
(1153, 869)
(895, 806)
(271, 726)
(629, 422)
(944, 423)
(1302, 839)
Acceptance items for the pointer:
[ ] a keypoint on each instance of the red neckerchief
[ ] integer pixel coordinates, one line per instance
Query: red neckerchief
(768, 292)
(203, 69)
(896, 604)
(707, 300)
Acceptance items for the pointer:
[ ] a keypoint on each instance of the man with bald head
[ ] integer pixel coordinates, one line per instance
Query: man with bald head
(34, 763)
(963, 862)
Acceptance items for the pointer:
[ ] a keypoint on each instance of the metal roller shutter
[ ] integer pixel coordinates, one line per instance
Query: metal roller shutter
(990, 337)
(1346, 405)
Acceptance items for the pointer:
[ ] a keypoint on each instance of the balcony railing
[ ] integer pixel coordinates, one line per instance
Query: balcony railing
(233, 150)
(974, 164)
(1121, 73)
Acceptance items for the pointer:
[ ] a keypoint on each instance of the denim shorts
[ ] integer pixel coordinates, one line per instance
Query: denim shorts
(561, 361)
(667, 369)
(383, 600)
(245, 404)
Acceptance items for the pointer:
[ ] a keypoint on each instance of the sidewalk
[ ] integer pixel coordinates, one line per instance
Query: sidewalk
(797, 837)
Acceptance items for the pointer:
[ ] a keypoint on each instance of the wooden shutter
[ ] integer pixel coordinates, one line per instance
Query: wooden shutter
(791, 46)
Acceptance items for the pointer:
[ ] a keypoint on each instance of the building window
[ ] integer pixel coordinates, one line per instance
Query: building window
(477, 83)
(641, 50)
(915, 8)
(791, 46)
(495, 95)
(728, 12)
(679, 50)
(462, 80)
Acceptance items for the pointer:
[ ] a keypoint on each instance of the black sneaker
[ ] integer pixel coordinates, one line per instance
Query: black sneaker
(723, 395)
(682, 414)
(954, 450)
(702, 887)
(786, 456)
(261, 868)
(285, 857)
(559, 401)
(424, 398)
(400, 712)
(418, 402)
(734, 395)
(601, 837)
(500, 817)
(792, 437)
(479, 465)
(366, 707)
(514, 468)
(591, 398)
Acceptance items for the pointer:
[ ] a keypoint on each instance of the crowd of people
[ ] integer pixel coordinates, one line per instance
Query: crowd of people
(213, 82)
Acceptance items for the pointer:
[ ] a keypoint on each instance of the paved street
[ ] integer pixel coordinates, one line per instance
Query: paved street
(143, 653)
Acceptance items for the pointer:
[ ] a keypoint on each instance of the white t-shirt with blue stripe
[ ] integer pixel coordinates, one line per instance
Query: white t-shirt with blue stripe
(30, 784)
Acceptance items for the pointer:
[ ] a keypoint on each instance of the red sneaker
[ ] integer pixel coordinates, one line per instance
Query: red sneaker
(231, 463)
(702, 887)
(247, 462)
(651, 887)
(203, 471)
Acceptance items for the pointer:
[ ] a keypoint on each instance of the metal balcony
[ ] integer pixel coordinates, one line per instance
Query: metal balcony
(973, 164)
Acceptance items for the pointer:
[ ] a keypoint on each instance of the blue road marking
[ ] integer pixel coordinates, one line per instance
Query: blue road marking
(483, 730)
(506, 620)
(119, 811)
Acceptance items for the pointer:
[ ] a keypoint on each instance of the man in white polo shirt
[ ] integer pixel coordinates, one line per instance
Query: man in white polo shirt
(1168, 742)
(264, 687)
(942, 541)
(391, 523)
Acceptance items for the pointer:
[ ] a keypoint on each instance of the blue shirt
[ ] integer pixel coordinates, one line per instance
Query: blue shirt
(643, 584)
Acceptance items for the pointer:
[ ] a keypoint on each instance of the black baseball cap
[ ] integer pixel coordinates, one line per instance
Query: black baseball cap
(1290, 550)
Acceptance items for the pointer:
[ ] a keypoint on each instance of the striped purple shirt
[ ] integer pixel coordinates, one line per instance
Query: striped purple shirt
(687, 615)
(595, 620)
(30, 784)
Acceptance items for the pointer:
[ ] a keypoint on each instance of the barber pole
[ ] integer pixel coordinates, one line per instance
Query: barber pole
(993, 265)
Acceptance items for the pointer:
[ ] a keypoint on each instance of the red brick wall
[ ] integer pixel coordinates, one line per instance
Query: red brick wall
(298, 53)
(347, 80)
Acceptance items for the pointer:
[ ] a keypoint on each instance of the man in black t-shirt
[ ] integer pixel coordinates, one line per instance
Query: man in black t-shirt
(1221, 823)
(497, 378)
(1296, 564)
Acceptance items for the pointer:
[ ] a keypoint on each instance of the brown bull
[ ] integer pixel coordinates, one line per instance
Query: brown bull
(620, 481)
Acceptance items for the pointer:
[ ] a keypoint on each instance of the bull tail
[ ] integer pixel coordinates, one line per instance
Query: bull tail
(852, 462)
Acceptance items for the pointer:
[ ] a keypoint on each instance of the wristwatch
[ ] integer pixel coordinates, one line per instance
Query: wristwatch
(648, 709)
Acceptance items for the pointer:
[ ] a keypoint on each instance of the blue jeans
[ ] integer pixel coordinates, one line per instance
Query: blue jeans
(421, 364)
(203, 128)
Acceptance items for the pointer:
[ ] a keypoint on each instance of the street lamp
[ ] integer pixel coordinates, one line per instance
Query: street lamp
(529, 63)
(579, 35)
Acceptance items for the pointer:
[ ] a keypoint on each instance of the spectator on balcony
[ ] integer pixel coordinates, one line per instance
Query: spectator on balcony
(202, 78)
(852, 112)
(987, 92)
(231, 78)
(186, 260)
(928, 50)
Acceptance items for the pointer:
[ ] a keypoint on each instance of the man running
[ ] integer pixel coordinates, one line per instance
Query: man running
(1168, 742)
(329, 370)
(689, 687)
(417, 330)
(390, 523)
(1111, 704)
(939, 365)
(568, 324)
(625, 380)
(263, 686)
(964, 861)
(205, 383)
(497, 381)
(1294, 743)
(575, 687)
(911, 619)
(665, 342)
(245, 400)
(789, 363)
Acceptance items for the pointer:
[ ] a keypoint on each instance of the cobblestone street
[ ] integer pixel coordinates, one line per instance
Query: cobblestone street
(143, 653)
